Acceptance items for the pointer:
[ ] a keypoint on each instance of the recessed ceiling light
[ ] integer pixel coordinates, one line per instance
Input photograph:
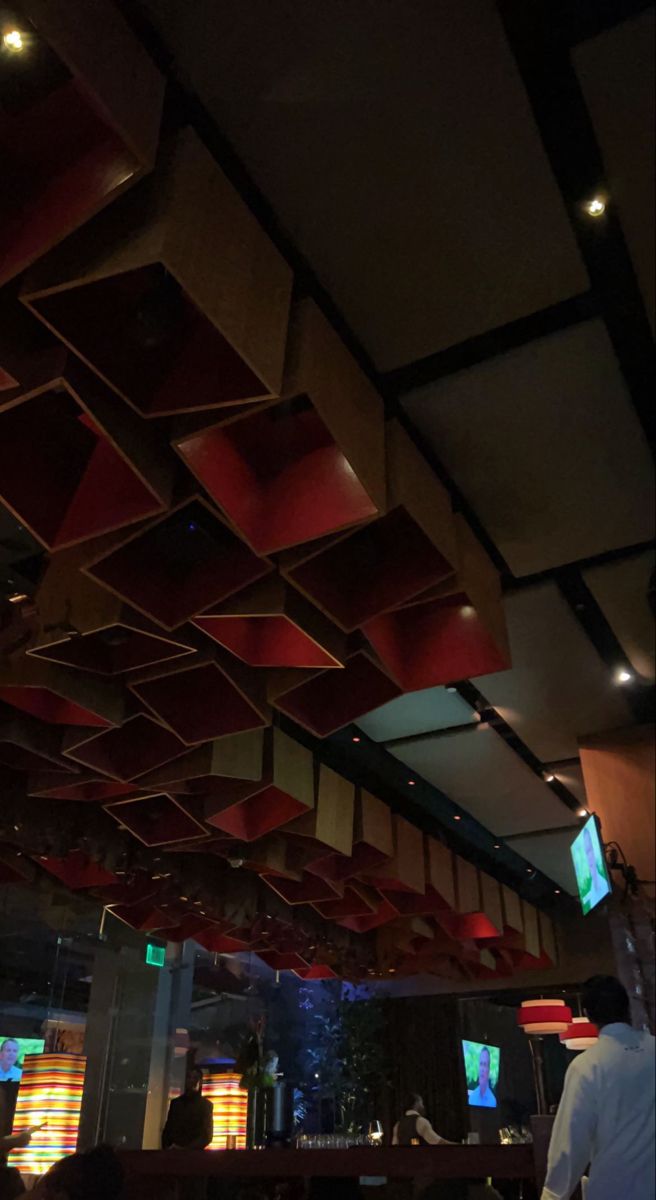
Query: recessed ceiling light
(623, 676)
(497, 845)
(583, 812)
(355, 739)
(13, 40)
(549, 778)
(452, 689)
(457, 817)
(467, 610)
(556, 891)
(595, 206)
(411, 782)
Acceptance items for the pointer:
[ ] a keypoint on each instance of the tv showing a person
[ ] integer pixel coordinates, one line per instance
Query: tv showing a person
(10, 1072)
(482, 1072)
(590, 867)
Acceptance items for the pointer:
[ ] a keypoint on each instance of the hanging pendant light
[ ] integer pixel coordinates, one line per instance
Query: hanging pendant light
(580, 1034)
(542, 1017)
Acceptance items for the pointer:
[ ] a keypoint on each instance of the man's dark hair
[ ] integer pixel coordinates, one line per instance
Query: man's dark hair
(96, 1173)
(411, 1101)
(606, 1000)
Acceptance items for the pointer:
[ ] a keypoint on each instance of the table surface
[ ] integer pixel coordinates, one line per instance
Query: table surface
(440, 1162)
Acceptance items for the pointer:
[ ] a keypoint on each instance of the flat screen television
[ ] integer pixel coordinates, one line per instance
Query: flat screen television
(12, 1055)
(482, 1073)
(592, 879)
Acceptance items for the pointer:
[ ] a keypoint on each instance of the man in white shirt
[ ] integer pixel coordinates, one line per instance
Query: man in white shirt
(9, 1051)
(483, 1096)
(606, 1113)
(414, 1127)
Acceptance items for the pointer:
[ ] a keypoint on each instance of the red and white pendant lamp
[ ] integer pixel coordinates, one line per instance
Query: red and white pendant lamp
(539, 1018)
(580, 1034)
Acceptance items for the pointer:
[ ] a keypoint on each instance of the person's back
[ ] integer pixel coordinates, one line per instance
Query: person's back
(606, 1118)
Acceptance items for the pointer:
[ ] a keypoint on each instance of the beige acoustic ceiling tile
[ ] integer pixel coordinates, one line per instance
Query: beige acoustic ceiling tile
(396, 145)
(477, 770)
(545, 445)
(417, 712)
(550, 853)
(558, 689)
(620, 589)
(616, 72)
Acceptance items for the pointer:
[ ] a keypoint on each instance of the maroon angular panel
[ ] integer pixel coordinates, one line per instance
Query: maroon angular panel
(205, 700)
(156, 820)
(140, 745)
(328, 701)
(178, 566)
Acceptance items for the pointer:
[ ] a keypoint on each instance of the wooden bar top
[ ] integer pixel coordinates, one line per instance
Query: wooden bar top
(440, 1162)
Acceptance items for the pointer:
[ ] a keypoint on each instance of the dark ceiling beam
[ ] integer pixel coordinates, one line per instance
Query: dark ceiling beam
(541, 44)
(494, 342)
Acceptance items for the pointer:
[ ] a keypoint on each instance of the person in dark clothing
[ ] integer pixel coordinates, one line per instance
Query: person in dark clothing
(414, 1128)
(189, 1124)
(96, 1173)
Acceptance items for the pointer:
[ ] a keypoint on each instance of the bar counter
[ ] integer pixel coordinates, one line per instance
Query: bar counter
(148, 1170)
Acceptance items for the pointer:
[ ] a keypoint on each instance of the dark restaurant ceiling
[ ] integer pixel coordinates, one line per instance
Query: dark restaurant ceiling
(425, 167)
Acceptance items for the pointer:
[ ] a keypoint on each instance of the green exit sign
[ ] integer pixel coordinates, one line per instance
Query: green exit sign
(155, 955)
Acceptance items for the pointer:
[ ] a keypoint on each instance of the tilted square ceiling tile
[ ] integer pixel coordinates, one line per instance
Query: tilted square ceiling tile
(98, 468)
(139, 745)
(405, 872)
(215, 696)
(82, 126)
(373, 841)
(178, 565)
(458, 632)
(176, 297)
(308, 466)
(546, 446)
(84, 626)
(156, 820)
(239, 756)
(411, 548)
(248, 810)
(329, 825)
(59, 696)
(329, 700)
(27, 744)
(270, 625)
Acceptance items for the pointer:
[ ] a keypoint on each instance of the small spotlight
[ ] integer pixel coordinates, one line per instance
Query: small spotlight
(457, 817)
(549, 778)
(356, 739)
(452, 689)
(192, 527)
(13, 40)
(467, 610)
(412, 782)
(497, 846)
(556, 891)
(595, 207)
(623, 676)
(583, 812)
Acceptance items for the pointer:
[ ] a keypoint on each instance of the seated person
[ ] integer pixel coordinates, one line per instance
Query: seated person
(96, 1173)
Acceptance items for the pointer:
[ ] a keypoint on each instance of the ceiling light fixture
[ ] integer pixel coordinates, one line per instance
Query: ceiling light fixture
(452, 688)
(595, 207)
(467, 610)
(497, 846)
(583, 812)
(556, 891)
(412, 782)
(623, 676)
(549, 778)
(457, 817)
(13, 40)
(356, 739)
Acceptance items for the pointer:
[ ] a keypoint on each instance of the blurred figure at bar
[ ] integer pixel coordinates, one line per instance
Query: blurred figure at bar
(189, 1126)
(97, 1173)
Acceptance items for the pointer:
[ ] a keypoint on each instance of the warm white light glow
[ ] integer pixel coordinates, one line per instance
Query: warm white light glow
(549, 778)
(623, 676)
(595, 207)
(467, 610)
(13, 40)
(583, 812)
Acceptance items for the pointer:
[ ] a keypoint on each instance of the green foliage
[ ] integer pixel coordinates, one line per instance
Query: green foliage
(471, 1052)
(348, 1054)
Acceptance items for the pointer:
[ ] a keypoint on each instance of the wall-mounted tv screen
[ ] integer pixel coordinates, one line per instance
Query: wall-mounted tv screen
(482, 1073)
(592, 879)
(12, 1055)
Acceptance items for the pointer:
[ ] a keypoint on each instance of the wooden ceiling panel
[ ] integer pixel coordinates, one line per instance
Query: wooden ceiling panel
(478, 771)
(417, 712)
(397, 148)
(546, 447)
(558, 689)
(616, 72)
(620, 589)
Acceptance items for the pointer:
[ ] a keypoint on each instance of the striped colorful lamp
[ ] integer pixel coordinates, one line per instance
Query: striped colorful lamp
(580, 1034)
(50, 1093)
(541, 1017)
(230, 1105)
